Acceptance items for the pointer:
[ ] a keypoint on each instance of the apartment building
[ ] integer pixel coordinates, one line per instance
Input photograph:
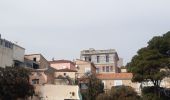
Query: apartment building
(106, 61)
(11, 54)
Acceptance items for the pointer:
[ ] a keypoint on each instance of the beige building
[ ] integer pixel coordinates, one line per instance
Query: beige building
(10, 54)
(36, 61)
(118, 79)
(106, 61)
(59, 92)
(84, 67)
(62, 64)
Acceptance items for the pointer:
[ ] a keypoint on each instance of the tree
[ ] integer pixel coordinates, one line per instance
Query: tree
(120, 93)
(94, 87)
(14, 83)
(147, 64)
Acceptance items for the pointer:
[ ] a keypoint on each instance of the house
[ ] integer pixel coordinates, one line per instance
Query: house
(118, 79)
(62, 64)
(84, 67)
(60, 92)
(36, 61)
(11, 54)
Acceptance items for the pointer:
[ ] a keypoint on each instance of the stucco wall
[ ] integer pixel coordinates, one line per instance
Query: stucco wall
(6, 56)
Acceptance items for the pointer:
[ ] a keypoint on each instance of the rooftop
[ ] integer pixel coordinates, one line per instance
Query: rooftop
(61, 61)
(93, 51)
(115, 76)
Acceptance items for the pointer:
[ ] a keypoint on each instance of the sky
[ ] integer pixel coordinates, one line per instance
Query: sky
(60, 29)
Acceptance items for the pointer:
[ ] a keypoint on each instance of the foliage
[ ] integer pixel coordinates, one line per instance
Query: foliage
(14, 83)
(147, 64)
(95, 87)
(119, 93)
(148, 94)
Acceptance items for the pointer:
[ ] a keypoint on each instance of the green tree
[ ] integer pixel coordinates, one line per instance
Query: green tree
(94, 87)
(147, 64)
(14, 83)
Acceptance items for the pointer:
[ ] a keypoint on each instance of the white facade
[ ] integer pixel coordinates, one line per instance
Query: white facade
(10, 53)
(59, 92)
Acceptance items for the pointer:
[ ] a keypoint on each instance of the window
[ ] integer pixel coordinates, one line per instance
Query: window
(111, 68)
(107, 58)
(97, 70)
(107, 68)
(87, 58)
(35, 81)
(98, 59)
(103, 68)
(87, 70)
(104, 83)
(34, 59)
(64, 74)
(118, 83)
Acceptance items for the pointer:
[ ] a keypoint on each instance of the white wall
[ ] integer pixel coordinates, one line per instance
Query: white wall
(6, 56)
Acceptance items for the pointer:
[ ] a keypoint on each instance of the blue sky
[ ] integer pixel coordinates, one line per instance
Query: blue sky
(62, 28)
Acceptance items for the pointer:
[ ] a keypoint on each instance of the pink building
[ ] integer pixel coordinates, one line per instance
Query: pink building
(62, 64)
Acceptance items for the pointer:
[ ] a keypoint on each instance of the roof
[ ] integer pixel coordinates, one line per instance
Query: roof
(61, 61)
(115, 76)
(66, 70)
(50, 70)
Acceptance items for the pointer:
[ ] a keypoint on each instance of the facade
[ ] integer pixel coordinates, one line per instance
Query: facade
(10, 54)
(65, 77)
(84, 67)
(106, 61)
(62, 64)
(59, 92)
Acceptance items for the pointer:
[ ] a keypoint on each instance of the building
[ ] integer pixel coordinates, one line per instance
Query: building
(10, 54)
(118, 79)
(106, 61)
(60, 92)
(65, 77)
(63, 64)
(36, 61)
(84, 67)
(120, 62)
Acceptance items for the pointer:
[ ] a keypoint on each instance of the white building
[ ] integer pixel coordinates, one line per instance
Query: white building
(10, 54)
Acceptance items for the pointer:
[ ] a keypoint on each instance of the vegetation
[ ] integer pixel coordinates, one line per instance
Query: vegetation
(119, 93)
(148, 94)
(14, 83)
(95, 87)
(152, 62)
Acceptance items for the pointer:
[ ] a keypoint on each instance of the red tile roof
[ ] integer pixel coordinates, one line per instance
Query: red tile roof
(115, 76)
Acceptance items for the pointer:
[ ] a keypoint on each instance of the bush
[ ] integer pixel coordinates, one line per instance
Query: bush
(119, 93)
